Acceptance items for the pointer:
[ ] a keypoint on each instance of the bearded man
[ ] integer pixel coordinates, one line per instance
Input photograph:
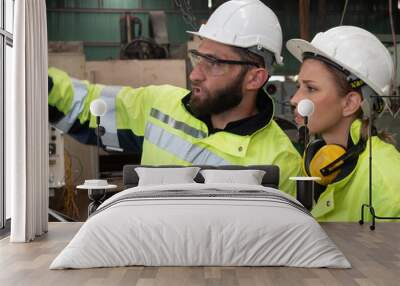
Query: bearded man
(227, 117)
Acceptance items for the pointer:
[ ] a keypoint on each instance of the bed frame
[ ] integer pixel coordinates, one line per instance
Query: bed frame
(130, 179)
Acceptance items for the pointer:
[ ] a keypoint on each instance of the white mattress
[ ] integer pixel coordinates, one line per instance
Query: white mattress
(185, 230)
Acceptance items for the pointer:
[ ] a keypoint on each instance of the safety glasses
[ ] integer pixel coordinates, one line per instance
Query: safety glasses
(212, 65)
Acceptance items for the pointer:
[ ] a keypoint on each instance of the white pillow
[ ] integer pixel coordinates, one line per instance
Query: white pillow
(249, 177)
(163, 176)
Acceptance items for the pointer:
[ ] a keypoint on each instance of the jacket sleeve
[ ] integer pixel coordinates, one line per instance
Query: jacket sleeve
(385, 180)
(290, 166)
(69, 110)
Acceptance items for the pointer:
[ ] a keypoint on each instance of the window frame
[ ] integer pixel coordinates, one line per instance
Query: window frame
(6, 39)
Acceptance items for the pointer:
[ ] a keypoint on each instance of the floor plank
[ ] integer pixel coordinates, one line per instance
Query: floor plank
(374, 255)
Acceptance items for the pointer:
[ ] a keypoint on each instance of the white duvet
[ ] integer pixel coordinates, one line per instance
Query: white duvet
(185, 230)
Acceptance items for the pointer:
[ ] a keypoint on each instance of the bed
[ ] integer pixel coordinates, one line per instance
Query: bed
(201, 223)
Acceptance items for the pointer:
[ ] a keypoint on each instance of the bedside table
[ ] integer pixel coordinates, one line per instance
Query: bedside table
(96, 195)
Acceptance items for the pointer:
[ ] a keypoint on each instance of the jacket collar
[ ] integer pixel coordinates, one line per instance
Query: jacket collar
(355, 131)
(245, 126)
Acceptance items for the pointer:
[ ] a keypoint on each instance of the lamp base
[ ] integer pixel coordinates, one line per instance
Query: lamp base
(96, 192)
(374, 216)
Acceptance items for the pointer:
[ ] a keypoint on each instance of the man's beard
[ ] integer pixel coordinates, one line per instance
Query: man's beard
(220, 101)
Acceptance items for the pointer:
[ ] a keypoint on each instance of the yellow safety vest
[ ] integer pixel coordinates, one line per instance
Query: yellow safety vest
(171, 134)
(342, 200)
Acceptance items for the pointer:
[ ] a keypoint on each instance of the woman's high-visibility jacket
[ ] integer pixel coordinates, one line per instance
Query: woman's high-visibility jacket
(171, 134)
(342, 200)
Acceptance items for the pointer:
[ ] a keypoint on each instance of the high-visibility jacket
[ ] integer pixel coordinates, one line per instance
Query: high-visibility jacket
(172, 135)
(342, 200)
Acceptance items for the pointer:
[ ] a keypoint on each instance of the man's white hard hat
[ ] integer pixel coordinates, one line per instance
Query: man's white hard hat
(245, 24)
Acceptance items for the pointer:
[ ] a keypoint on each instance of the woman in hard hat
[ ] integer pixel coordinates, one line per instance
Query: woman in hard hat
(346, 72)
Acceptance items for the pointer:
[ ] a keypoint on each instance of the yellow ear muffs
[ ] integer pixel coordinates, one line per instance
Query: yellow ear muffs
(309, 153)
(324, 156)
(319, 155)
(327, 161)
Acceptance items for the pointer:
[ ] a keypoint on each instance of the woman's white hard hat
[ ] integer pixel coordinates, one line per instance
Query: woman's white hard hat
(354, 49)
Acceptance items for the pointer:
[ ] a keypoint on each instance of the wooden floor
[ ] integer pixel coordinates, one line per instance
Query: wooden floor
(374, 255)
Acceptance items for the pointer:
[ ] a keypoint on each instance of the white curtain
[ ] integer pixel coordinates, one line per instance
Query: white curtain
(26, 124)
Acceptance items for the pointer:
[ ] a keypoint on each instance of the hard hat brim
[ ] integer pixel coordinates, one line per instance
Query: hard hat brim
(201, 35)
(297, 47)
(204, 36)
(278, 59)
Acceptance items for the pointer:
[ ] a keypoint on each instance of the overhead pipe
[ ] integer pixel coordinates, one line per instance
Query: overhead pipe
(116, 10)
(304, 19)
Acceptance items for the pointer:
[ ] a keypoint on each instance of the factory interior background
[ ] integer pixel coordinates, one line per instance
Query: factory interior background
(142, 42)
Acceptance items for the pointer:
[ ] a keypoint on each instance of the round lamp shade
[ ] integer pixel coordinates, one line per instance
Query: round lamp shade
(305, 107)
(98, 107)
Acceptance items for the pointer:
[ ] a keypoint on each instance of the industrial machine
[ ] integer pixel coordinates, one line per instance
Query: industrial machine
(134, 45)
(56, 159)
